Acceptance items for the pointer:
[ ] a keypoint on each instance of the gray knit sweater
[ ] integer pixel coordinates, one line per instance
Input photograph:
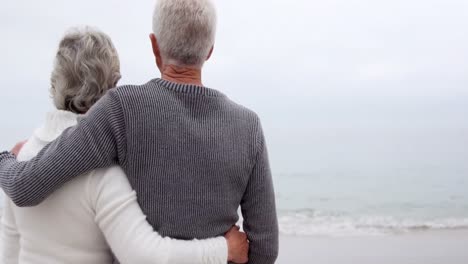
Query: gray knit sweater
(192, 155)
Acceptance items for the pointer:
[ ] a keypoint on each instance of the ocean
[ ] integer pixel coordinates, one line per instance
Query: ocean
(370, 166)
(362, 202)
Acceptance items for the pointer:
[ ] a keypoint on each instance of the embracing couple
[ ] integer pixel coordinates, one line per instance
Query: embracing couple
(151, 173)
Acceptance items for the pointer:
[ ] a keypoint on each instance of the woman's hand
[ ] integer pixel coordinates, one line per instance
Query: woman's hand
(238, 245)
(17, 148)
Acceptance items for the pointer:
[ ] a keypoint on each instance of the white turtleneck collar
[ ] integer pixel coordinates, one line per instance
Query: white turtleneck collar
(56, 122)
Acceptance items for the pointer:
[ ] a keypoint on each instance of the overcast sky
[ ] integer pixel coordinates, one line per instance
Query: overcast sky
(326, 77)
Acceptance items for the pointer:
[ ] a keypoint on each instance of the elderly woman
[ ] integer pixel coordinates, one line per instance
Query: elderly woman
(73, 224)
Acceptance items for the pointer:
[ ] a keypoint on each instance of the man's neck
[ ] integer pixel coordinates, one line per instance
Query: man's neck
(182, 75)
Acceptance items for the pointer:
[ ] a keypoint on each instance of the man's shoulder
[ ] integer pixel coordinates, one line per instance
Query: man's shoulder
(131, 94)
(241, 111)
(152, 91)
(133, 89)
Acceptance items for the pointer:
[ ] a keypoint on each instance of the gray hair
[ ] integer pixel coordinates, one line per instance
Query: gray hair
(86, 66)
(185, 30)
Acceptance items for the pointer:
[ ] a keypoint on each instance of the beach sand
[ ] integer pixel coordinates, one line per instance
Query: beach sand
(430, 247)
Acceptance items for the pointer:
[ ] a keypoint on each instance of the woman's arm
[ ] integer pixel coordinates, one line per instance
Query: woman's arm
(131, 238)
(10, 238)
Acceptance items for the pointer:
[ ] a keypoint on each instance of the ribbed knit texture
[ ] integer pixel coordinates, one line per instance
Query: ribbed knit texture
(192, 155)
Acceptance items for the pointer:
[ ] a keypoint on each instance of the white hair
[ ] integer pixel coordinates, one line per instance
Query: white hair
(86, 67)
(185, 30)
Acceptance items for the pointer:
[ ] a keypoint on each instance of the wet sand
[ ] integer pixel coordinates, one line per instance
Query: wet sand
(430, 247)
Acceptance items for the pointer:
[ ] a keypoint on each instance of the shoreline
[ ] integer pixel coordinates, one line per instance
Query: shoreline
(425, 247)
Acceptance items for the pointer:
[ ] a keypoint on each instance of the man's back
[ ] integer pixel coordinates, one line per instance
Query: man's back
(189, 156)
(192, 155)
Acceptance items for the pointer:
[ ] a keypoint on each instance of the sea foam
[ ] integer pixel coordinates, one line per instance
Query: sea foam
(315, 223)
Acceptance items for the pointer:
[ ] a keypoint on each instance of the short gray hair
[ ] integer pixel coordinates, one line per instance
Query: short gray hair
(185, 30)
(86, 67)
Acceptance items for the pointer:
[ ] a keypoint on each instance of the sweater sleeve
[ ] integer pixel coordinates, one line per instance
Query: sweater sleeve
(97, 141)
(10, 238)
(259, 209)
(131, 238)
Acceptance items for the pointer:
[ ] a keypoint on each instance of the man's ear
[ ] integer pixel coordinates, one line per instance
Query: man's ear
(156, 50)
(211, 52)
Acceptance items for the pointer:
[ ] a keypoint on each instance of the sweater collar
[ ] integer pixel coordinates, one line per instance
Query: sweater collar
(188, 88)
(56, 122)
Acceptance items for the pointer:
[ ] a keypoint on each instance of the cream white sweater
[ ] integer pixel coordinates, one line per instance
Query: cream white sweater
(90, 216)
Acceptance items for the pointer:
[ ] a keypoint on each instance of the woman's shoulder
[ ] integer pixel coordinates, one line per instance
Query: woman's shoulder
(108, 179)
(108, 189)
(108, 175)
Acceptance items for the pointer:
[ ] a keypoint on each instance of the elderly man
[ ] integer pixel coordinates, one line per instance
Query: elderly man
(192, 155)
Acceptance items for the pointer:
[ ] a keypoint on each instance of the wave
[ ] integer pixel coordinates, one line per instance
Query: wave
(315, 223)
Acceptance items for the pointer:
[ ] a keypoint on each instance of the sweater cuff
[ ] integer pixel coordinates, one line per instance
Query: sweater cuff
(222, 249)
(218, 252)
(6, 155)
